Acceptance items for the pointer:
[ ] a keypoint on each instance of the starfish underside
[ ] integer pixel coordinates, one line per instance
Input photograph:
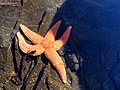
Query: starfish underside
(46, 44)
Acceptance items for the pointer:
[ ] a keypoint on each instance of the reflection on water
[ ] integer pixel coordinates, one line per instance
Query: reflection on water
(96, 38)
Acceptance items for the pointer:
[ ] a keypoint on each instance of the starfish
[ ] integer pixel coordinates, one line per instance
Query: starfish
(46, 44)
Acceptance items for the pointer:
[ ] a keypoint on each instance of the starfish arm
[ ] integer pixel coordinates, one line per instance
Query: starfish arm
(26, 48)
(63, 40)
(57, 62)
(52, 32)
(34, 37)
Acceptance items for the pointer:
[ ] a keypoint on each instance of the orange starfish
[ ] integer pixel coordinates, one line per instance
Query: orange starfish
(46, 44)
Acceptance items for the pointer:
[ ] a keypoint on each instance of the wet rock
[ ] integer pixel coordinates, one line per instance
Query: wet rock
(29, 13)
(72, 61)
(52, 82)
(42, 75)
(69, 77)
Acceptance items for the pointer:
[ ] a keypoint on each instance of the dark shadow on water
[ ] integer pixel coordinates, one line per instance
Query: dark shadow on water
(94, 41)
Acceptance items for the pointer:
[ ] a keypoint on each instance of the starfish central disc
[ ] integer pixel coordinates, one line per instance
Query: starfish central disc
(46, 44)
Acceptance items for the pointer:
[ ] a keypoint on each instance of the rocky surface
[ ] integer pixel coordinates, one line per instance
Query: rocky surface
(38, 72)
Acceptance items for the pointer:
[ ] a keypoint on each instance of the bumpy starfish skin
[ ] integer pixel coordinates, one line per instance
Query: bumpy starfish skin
(55, 59)
(46, 44)
(26, 48)
(34, 37)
